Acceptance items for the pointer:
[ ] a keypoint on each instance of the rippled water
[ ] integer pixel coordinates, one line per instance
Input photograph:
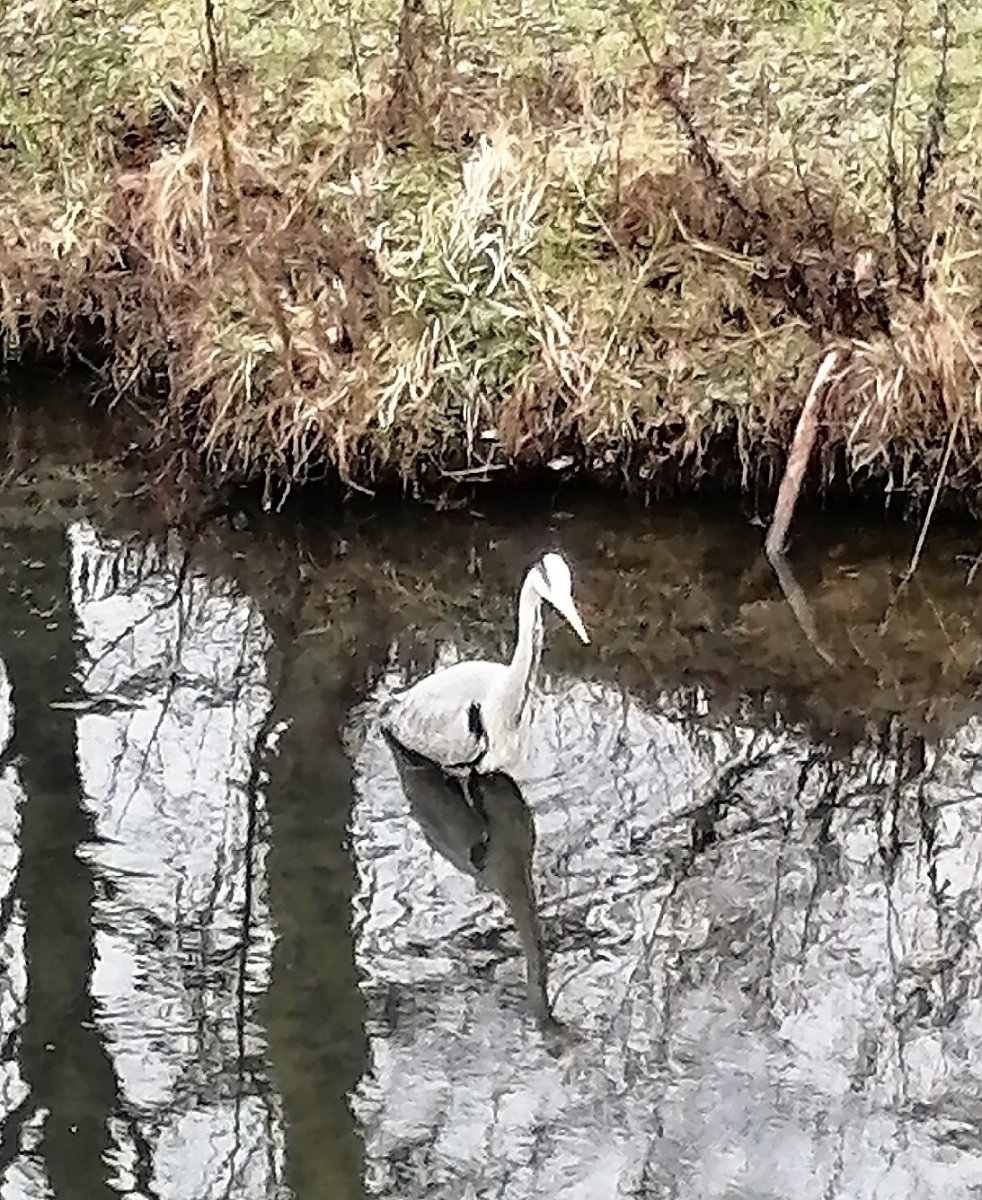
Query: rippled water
(240, 960)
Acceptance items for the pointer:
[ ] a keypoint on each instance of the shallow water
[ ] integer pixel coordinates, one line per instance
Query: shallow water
(239, 961)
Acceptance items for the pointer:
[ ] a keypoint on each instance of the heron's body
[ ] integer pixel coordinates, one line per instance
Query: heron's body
(432, 717)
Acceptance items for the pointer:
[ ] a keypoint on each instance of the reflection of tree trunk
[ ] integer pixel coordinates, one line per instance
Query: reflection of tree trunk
(314, 1010)
(64, 1060)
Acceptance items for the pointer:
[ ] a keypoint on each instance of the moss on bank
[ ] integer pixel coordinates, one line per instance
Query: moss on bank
(429, 242)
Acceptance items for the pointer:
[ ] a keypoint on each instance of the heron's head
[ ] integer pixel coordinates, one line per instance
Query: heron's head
(555, 584)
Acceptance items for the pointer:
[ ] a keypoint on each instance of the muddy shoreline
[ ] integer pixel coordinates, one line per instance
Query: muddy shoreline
(64, 413)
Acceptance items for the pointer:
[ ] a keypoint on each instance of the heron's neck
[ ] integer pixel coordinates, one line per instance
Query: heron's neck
(528, 651)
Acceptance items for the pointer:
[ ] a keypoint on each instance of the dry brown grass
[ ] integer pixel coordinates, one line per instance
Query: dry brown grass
(461, 242)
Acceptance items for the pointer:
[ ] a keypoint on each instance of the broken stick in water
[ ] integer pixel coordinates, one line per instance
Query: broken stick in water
(787, 498)
(801, 449)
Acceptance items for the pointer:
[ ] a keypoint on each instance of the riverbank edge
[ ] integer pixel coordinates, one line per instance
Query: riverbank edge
(731, 637)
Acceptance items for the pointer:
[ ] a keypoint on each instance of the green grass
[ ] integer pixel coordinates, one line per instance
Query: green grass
(498, 235)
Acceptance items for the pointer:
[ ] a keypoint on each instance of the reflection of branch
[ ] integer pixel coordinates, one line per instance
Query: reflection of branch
(798, 603)
(164, 707)
(172, 686)
(233, 1153)
(701, 819)
(92, 584)
(179, 581)
(828, 803)
(915, 557)
(162, 606)
(144, 1171)
(776, 899)
(115, 643)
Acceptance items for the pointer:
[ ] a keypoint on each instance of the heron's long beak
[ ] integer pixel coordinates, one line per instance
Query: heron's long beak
(567, 608)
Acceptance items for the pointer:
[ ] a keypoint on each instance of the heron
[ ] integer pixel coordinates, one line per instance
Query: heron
(435, 716)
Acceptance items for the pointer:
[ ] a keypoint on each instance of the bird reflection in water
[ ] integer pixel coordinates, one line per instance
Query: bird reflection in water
(482, 825)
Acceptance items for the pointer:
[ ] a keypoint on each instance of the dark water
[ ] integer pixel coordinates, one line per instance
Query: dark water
(238, 962)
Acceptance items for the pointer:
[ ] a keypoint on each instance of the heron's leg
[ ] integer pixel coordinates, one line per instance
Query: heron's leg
(472, 793)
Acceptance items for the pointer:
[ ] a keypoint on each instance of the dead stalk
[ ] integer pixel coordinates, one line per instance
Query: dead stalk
(262, 288)
(929, 158)
(356, 61)
(915, 557)
(894, 182)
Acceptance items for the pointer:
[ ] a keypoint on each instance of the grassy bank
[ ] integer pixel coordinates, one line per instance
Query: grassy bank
(430, 241)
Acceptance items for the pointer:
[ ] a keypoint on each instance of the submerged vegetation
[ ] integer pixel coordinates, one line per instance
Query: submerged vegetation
(435, 240)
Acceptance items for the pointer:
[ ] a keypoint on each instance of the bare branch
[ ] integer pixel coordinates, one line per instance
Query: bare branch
(801, 448)
(930, 155)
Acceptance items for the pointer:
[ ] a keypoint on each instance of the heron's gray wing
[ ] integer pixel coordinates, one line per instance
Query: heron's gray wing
(435, 717)
(478, 747)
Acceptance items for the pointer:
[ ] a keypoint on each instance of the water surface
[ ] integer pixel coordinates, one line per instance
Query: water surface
(238, 960)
